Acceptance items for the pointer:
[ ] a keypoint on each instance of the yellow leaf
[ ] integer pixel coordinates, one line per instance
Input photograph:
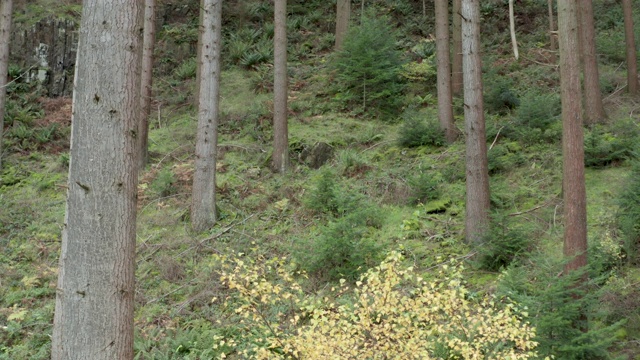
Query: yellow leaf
(18, 316)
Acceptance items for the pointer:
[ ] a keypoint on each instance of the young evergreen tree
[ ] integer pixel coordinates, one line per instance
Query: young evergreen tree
(477, 203)
(6, 10)
(95, 293)
(203, 205)
(557, 305)
(629, 215)
(367, 69)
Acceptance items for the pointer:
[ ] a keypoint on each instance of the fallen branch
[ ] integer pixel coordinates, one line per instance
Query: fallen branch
(496, 139)
(530, 210)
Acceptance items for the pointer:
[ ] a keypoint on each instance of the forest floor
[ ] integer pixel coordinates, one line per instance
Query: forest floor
(390, 197)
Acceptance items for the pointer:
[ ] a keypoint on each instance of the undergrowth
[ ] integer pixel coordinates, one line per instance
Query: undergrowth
(386, 186)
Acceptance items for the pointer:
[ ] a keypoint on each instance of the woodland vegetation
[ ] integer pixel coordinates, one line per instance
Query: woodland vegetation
(349, 237)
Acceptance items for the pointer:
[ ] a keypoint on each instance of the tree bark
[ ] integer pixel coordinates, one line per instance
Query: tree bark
(445, 100)
(632, 61)
(280, 126)
(456, 64)
(6, 12)
(594, 110)
(512, 28)
(343, 12)
(95, 293)
(477, 207)
(573, 180)
(149, 39)
(203, 205)
(196, 90)
(553, 47)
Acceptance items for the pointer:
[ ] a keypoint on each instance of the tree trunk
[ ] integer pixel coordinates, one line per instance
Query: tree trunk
(6, 11)
(203, 205)
(594, 110)
(632, 65)
(95, 293)
(553, 47)
(196, 90)
(280, 126)
(445, 101)
(343, 12)
(477, 208)
(456, 71)
(512, 28)
(573, 180)
(149, 39)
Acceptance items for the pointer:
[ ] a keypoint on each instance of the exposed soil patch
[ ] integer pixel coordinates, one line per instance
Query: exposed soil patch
(56, 111)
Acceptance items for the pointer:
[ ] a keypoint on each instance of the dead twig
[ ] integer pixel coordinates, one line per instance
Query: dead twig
(496, 138)
(528, 211)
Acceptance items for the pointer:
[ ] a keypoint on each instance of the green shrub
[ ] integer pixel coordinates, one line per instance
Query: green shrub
(367, 69)
(164, 183)
(352, 162)
(186, 70)
(425, 187)
(504, 244)
(629, 215)
(322, 197)
(504, 157)
(604, 146)
(421, 76)
(420, 128)
(499, 96)
(610, 45)
(20, 131)
(345, 247)
(560, 310)
(536, 119)
(538, 111)
(46, 134)
(196, 340)
(236, 47)
(262, 79)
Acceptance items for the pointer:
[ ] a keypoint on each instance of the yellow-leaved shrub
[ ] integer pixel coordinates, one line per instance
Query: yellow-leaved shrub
(392, 313)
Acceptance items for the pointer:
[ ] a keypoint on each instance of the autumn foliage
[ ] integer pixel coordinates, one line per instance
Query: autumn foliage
(391, 313)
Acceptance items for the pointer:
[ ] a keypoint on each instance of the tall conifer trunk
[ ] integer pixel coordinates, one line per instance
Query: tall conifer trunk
(456, 64)
(553, 46)
(573, 179)
(95, 293)
(149, 39)
(6, 10)
(203, 204)
(280, 126)
(477, 173)
(445, 100)
(343, 13)
(632, 61)
(594, 110)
